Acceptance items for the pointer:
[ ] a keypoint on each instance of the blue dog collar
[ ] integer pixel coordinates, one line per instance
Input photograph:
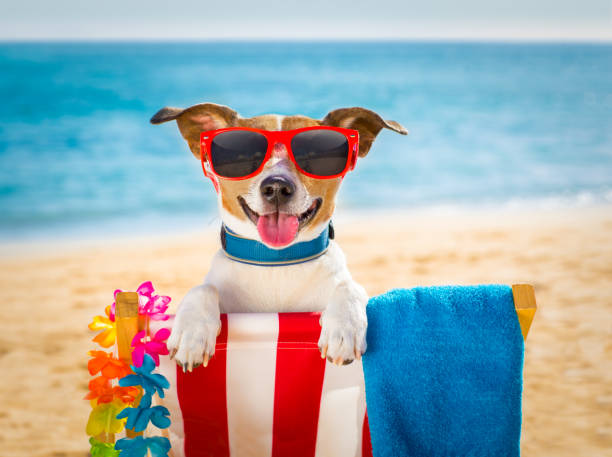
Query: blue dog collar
(252, 252)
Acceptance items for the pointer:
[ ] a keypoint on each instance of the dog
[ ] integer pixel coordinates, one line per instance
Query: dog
(280, 207)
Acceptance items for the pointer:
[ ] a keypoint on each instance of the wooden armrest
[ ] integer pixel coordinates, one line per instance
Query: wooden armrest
(127, 325)
(525, 305)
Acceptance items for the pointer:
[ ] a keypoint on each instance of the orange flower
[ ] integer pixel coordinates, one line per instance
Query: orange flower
(107, 364)
(106, 338)
(101, 390)
(126, 394)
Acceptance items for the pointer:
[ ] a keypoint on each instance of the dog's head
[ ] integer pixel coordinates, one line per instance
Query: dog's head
(279, 206)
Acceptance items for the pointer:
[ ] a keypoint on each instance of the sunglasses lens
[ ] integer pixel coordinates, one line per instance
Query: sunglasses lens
(237, 153)
(320, 152)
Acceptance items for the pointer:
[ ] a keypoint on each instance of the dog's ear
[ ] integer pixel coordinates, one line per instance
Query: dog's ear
(197, 119)
(367, 122)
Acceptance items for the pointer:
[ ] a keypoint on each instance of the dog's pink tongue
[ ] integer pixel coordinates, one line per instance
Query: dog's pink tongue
(277, 229)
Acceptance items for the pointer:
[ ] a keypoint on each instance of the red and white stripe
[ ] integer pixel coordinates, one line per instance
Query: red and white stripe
(267, 392)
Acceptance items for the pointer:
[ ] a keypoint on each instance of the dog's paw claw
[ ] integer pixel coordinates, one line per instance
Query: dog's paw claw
(193, 344)
(339, 362)
(342, 341)
(323, 351)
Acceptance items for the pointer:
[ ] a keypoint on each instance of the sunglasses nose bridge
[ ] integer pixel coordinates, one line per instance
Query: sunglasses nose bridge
(280, 149)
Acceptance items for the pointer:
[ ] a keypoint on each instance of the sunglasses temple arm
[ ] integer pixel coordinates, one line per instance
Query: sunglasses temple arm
(209, 174)
(355, 156)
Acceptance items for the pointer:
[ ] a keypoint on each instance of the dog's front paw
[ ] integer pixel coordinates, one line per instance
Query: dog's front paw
(342, 340)
(192, 341)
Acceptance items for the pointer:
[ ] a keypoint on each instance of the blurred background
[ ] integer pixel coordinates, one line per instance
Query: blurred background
(506, 176)
(507, 102)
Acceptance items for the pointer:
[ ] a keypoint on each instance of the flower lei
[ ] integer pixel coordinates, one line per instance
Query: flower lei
(113, 402)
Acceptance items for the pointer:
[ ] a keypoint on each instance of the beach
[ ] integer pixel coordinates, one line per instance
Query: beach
(50, 290)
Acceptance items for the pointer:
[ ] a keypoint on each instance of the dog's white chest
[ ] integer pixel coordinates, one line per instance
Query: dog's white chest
(303, 287)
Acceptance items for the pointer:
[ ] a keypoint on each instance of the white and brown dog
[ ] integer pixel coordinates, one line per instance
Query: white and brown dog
(275, 194)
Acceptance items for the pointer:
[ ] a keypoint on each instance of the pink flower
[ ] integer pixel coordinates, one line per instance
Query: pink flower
(146, 289)
(155, 347)
(155, 307)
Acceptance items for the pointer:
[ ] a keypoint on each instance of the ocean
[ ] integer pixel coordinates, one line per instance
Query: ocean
(491, 125)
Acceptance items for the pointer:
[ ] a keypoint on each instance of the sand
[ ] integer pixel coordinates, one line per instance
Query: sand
(49, 291)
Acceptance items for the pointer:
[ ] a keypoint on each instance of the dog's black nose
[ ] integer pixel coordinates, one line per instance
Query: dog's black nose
(277, 189)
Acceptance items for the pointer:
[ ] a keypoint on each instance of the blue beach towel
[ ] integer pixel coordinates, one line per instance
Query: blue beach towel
(443, 372)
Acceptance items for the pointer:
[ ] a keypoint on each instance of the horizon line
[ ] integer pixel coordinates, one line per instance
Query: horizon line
(466, 40)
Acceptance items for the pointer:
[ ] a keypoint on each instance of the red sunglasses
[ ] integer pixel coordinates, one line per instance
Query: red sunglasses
(239, 153)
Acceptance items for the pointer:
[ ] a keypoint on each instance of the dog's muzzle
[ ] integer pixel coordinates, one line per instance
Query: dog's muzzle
(277, 190)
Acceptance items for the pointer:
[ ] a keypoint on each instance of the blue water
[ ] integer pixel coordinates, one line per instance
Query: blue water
(491, 124)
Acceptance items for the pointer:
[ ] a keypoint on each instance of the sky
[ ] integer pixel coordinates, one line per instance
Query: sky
(564, 20)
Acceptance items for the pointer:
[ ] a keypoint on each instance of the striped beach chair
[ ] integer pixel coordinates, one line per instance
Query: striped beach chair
(267, 392)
